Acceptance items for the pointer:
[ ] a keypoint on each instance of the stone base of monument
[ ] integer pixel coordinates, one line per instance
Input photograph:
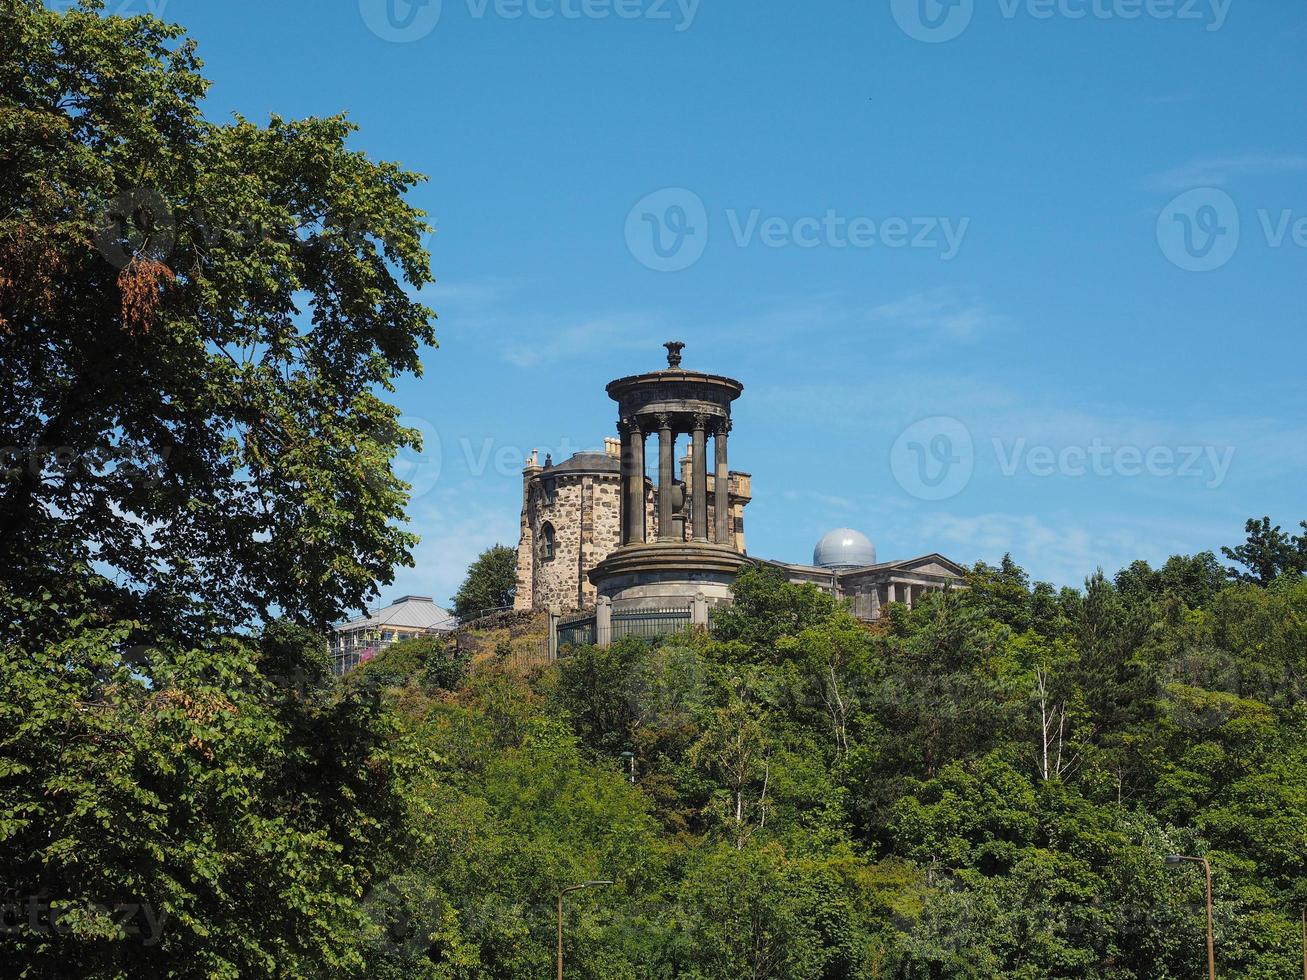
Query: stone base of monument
(666, 575)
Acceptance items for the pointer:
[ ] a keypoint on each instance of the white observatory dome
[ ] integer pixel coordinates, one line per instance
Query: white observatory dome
(844, 548)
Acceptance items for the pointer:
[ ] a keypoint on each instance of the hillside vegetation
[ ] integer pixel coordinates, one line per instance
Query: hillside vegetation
(986, 786)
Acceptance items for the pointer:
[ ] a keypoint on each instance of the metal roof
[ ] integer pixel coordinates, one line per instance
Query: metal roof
(844, 548)
(408, 612)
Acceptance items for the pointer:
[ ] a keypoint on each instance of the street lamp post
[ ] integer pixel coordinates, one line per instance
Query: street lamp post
(1174, 860)
(1304, 942)
(570, 888)
(630, 761)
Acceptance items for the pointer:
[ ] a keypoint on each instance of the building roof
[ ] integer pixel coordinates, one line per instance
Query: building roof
(587, 462)
(844, 548)
(903, 564)
(408, 612)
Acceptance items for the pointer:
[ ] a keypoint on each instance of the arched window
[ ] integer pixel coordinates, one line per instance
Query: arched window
(547, 542)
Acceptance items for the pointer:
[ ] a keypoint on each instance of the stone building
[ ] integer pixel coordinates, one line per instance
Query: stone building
(598, 533)
(844, 564)
(572, 520)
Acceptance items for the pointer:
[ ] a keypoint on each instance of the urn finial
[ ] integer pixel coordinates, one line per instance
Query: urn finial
(674, 348)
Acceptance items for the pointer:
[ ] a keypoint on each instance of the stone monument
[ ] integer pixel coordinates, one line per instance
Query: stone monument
(662, 567)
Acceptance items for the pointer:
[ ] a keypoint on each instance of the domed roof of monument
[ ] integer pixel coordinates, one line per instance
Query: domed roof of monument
(844, 548)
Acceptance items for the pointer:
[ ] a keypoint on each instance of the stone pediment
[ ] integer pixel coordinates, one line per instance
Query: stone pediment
(934, 564)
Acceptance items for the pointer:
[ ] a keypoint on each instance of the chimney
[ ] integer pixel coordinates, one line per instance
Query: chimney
(613, 446)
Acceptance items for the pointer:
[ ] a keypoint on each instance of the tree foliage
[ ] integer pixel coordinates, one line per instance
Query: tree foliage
(1267, 553)
(197, 323)
(491, 583)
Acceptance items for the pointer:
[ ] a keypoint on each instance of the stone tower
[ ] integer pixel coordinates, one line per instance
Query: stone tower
(578, 513)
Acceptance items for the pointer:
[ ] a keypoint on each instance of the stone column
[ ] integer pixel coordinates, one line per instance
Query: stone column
(633, 483)
(700, 478)
(699, 610)
(666, 476)
(722, 485)
(603, 621)
(623, 494)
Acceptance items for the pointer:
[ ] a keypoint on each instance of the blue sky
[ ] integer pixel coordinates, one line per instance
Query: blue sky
(1005, 275)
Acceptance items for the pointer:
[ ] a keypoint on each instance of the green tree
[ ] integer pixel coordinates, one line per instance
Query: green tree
(756, 913)
(171, 811)
(491, 583)
(197, 322)
(1267, 554)
(766, 607)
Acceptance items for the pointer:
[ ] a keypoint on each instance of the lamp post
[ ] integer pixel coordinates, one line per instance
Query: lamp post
(630, 759)
(1173, 860)
(1304, 942)
(570, 888)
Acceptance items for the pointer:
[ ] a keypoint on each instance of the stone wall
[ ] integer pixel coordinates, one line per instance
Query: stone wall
(583, 513)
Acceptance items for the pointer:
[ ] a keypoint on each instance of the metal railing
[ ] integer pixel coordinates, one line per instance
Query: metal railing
(529, 653)
(649, 625)
(577, 632)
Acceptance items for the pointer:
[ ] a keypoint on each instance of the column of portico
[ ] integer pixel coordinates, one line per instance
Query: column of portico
(666, 476)
(633, 482)
(623, 492)
(700, 477)
(721, 487)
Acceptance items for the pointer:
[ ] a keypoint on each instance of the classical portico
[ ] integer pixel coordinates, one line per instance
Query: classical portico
(666, 405)
(662, 562)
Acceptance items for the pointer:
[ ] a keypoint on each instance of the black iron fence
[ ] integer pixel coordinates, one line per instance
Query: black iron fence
(652, 624)
(576, 632)
(527, 653)
(649, 625)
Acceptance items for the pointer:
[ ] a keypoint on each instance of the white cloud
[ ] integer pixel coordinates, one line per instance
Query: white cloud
(1060, 550)
(453, 535)
(1220, 171)
(946, 311)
